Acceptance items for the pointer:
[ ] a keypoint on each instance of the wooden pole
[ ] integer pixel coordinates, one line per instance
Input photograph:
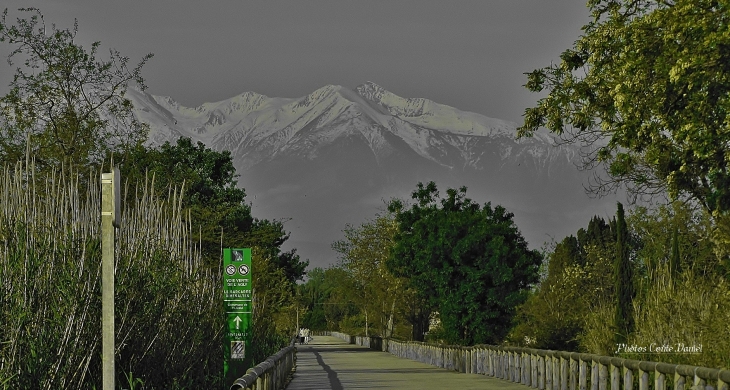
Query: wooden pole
(109, 219)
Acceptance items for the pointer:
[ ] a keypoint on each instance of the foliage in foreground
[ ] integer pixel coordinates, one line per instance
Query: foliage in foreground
(683, 311)
(681, 291)
(167, 306)
(652, 78)
(67, 109)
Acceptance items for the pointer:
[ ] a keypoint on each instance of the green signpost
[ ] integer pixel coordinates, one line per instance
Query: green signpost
(237, 304)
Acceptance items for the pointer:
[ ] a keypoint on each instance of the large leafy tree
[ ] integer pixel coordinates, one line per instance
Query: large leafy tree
(647, 87)
(64, 104)
(470, 263)
(210, 194)
(215, 204)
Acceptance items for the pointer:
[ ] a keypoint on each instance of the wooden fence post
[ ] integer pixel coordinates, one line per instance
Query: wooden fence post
(541, 372)
(643, 380)
(573, 373)
(602, 376)
(615, 378)
(628, 379)
(556, 371)
(548, 371)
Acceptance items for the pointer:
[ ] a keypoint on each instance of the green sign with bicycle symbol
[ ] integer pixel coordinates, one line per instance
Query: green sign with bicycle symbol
(237, 305)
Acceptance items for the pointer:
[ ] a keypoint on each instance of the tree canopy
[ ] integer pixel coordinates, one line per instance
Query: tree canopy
(364, 253)
(216, 205)
(64, 104)
(470, 263)
(647, 87)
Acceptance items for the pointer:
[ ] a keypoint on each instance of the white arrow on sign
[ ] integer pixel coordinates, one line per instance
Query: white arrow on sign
(237, 320)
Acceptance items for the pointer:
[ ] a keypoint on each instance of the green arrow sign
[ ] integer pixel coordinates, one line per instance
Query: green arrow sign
(237, 304)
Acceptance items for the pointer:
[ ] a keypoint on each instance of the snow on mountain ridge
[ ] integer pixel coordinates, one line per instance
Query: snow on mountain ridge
(255, 127)
(427, 113)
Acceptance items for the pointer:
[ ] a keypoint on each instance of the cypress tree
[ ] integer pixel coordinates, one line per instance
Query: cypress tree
(674, 260)
(623, 279)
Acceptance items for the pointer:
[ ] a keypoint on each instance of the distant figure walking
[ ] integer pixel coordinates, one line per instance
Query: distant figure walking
(306, 335)
(301, 336)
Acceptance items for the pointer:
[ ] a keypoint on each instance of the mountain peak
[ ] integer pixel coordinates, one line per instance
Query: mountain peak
(395, 104)
(369, 85)
(371, 91)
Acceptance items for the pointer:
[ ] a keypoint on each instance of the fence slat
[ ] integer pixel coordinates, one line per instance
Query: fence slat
(549, 370)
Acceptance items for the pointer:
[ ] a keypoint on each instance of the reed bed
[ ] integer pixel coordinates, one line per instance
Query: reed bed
(169, 320)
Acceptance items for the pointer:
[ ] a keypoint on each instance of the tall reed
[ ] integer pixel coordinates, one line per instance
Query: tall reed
(169, 319)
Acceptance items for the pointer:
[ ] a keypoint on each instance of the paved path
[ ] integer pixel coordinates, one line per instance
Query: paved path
(329, 363)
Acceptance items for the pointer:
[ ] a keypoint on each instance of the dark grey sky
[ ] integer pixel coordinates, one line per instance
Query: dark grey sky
(467, 54)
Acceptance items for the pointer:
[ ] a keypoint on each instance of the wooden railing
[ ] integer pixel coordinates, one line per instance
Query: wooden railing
(372, 342)
(552, 370)
(271, 374)
(560, 370)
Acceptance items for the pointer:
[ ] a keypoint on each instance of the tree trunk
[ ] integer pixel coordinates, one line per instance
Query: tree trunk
(366, 323)
(389, 329)
(420, 326)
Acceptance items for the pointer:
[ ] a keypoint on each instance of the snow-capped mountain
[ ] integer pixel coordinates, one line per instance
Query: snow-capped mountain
(329, 158)
(257, 128)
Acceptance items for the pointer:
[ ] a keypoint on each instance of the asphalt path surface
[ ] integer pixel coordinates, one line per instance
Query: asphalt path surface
(329, 363)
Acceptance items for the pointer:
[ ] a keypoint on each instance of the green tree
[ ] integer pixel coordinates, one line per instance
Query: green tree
(273, 296)
(653, 79)
(64, 104)
(577, 281)
(270, 236)
(598, 233)
(660, 248)
(312, 295)
(211, 199)
(340, 311)
(674, 267)
(668, 305)
(623, 279)
(469, 263)
(566, 254)
(364, 253)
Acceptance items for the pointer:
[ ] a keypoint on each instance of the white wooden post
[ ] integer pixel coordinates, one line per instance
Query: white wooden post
(110, 216)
